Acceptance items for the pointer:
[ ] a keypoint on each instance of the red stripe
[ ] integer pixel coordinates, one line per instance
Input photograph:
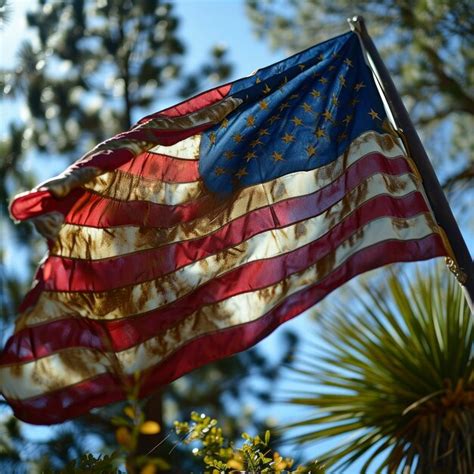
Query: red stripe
(63, 274)
(151, 135)
(163, 168)
(37, 202)
(88, 201)
(31, 343)
(94, 210)
(83, 207)
(76, 400)
(193, 104)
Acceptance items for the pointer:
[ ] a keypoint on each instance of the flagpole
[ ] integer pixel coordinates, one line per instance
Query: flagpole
(439, 204)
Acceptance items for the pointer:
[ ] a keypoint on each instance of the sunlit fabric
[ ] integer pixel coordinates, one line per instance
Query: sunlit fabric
(199, 231)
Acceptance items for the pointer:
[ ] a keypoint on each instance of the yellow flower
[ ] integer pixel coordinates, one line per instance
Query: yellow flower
(150, 428)
(148, 469)
(235, 464)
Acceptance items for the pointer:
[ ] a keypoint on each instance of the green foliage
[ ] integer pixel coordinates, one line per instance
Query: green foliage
(5, 12)
(97, 67)
(91, 464)
(9, 435)
(216, 453)
(396, 373)
(221, 456)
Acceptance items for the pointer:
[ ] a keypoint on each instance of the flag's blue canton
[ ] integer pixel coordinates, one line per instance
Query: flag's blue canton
(298, 114)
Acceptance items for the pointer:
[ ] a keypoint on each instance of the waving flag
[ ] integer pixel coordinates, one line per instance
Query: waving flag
(196, 233)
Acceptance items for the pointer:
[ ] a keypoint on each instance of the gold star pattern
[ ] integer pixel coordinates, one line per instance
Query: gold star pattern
(256, 142)
(321, 57)
(320, 133)
(327, 115)
(229, 154)
(354, 102)
(224, 123)
(237, 138)
(266, 89)
(212, 137)
(250, 121)
(307, 107)
(263, 105)
(323, 80)
(332, 67)
(348, 62)
(335, 100)
(263, 131)
(288, 138)
(241, 173)
(316, 94)
(374, 114)
(342, 80)
(283, 106)
(258, 80)
(311, 150)
(250, 155)
(273, 119)
(219, 171)
(347, 119)
(342, 137)
(294, 96)
(277, 156)
(297, 121)
(301, 66)
(359, 86)
(284, 82)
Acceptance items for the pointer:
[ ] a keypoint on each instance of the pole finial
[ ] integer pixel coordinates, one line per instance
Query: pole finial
(357, 23)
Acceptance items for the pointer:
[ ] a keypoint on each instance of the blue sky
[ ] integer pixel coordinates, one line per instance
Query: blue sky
(204, 23)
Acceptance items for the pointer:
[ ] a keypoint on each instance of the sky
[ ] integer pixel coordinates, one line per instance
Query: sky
(204, 23)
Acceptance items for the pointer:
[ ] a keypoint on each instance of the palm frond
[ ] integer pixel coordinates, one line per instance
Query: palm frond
(396, 374)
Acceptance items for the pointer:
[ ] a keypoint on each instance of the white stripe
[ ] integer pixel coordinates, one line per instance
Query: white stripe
(96, 243)
(247, 307)
(123, 187)
(59, 370)
(127, 239)
(51, 373)
(187, 149)
(166, 289)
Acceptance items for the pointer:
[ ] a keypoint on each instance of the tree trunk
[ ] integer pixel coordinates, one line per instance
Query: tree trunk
(153, 412)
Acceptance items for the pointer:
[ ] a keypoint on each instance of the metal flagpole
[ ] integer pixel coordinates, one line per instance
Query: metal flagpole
(463, 266)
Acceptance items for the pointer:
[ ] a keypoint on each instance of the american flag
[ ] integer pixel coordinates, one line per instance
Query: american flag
(199, 231)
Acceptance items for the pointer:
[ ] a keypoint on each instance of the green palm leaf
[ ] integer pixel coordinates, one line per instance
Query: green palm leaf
(395, 378)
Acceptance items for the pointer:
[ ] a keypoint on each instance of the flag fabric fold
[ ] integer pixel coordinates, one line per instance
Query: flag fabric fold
(200, 230)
